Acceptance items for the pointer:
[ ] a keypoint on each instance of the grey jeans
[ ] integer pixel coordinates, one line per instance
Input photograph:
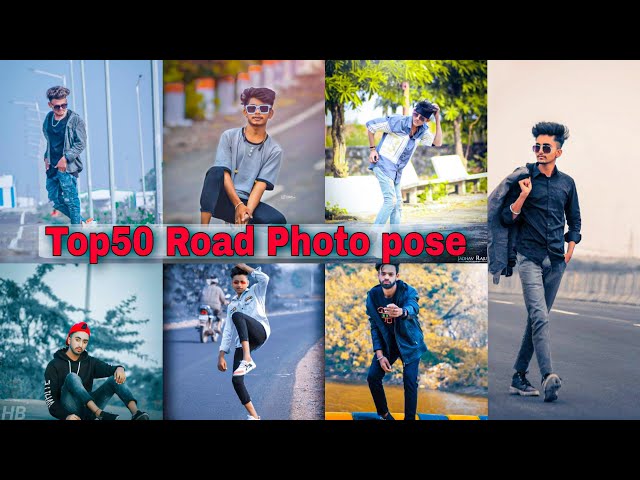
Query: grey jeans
(540, 284)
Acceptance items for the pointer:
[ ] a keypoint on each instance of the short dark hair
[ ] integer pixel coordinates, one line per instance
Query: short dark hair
(557, 130)
(263, 94)
(380, 265)
(58, 92)
(238, 271)
(425, 108)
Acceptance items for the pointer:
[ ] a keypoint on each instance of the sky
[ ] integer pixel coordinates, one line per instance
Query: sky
(599, 101)
(110, 284)
(18, 126)
(362, 114)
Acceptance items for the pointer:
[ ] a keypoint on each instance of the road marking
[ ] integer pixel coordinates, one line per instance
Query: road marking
(564, 311)
(319, 165)
(502, 301)
(636, 324)
(14, 243)
(301, 117)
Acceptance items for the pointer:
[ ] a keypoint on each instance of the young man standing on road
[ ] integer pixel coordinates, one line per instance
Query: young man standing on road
(68, 382)
(247, 326)
(66, 138)
(247, 163)
(402, 134)
(392, 308)
(539, 204)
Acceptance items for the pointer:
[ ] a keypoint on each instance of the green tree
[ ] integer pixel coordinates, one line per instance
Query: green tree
(462, 92)
(34, 323)
(150, 180)
(349, 83)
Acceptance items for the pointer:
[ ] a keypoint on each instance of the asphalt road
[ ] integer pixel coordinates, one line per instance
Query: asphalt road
(299, 192)
(595, 349)
(196, 390)
(24, 248)
(29, 409)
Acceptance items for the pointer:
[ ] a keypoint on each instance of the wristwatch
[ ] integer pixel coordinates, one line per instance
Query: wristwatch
(405, 313)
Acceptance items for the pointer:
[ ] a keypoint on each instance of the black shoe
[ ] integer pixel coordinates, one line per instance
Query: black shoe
(107, 416)
(140, 415)
(521, 386)
(387, 417)
(551, 383)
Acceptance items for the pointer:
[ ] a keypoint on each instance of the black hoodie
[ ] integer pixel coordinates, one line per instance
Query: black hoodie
(87, 368)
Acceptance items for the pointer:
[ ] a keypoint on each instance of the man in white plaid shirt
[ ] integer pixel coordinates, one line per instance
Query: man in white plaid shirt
(402, 134)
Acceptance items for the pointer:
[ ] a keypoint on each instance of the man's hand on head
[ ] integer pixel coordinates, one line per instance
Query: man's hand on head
(120, 375)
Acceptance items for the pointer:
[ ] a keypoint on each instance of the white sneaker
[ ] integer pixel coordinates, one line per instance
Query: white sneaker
(89, 222)
(244, 368)
(249, 417)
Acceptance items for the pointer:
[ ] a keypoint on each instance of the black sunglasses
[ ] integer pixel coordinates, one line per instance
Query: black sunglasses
(546, 148)
(420, 117)
(60, 107)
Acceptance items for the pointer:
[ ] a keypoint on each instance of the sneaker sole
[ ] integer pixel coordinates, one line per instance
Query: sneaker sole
(244, 372)
(552, 385)
(515, 391)
(144, 416)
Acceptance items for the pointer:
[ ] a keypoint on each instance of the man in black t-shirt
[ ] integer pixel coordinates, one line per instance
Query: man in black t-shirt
(66, 138)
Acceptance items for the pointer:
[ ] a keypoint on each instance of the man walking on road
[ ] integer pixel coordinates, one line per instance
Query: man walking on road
(247, 164)
(402, 134)
(392, 307)
(538, 205)
(66, 138)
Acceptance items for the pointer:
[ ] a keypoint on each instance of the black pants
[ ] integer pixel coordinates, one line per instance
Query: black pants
(251, 330)
(409, 378)
(214, 199)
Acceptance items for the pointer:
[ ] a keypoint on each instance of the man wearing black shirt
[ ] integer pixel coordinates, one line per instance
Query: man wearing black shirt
(393, 308)
(539, 205)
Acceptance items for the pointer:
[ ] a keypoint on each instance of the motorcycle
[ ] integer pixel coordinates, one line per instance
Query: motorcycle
(210, 325)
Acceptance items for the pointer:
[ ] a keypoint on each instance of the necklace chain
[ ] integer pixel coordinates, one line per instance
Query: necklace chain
(52, 117)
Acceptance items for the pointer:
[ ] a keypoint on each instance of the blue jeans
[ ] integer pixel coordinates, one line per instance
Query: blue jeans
(62, 189)
(540, 284)
(409, 378)
(74, 397)
(392, 205)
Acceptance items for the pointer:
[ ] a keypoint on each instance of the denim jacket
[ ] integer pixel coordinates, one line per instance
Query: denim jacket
(408, 332)
(251, 302)
(75, 140)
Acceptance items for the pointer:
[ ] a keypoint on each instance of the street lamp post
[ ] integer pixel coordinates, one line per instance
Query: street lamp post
(144, 189)
(86, 124)
(157, 138)
(34, 107)
(112, 175)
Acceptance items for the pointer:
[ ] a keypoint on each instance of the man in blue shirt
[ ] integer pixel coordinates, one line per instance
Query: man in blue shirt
(392, 308)
(402, 134)
(539, 205)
